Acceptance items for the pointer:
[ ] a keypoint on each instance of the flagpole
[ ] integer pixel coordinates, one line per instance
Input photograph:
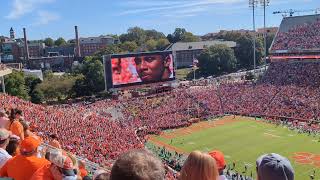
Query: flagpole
(194, 69)
(194, 73)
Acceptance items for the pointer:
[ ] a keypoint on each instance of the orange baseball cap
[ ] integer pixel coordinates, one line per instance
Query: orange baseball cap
(29, 144)
(219, 157)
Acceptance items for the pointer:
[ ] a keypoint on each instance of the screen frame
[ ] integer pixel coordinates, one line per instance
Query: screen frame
(108, 72)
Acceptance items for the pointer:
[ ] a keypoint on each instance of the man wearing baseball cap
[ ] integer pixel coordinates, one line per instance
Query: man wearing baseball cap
(274, 167)
(61, 167)
(221, 163)
(4, 141)
(22, 166)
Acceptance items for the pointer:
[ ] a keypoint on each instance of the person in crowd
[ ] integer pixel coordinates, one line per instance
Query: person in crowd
(199, 166)
(54, 141)
(274, 167)
(4, 141)
(155, 67)
(100, 175)
(82, 169)
(22, 167)
(137, 164)
(60, 168)
(19, 115)
(221, 163)
(13, 146)
(4, 121)
(15, 125)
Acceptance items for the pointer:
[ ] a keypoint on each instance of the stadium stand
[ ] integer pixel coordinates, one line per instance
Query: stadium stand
(298, 33)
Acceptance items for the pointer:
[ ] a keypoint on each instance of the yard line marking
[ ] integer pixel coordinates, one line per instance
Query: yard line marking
(272, 135)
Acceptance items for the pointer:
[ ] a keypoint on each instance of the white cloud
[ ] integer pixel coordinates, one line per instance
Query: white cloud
(45, 17)
(22, 7)
(171, 6)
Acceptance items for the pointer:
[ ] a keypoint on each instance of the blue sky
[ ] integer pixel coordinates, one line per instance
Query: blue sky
(56, 18)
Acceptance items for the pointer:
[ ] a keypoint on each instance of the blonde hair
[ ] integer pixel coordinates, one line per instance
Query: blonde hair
(199, 166)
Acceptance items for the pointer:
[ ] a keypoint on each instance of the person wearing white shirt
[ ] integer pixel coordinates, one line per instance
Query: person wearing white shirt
(4, 141)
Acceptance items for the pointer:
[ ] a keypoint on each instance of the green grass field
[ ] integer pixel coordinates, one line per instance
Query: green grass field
(245, 139)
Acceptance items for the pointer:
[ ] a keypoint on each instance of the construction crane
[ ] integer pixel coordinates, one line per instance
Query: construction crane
(290, 12)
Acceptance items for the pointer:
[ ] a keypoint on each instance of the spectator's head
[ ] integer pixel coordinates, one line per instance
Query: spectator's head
(53, 136)
(199, 166)
(18, 113)
(26, 128)
(61, 165)
(274, 166)
(29, 146)
(138, 165)
(2, 113)
(100, 175)
(12, 147)
(219, 157)
(4, 138)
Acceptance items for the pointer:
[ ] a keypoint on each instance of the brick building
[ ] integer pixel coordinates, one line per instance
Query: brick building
(90, 45)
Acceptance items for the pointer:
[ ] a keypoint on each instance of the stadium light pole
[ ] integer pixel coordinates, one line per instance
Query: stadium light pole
(265, 3)
(2, 79)
(253, 5)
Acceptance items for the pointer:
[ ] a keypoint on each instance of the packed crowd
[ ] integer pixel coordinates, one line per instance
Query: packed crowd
(101, 131)
(300, 37)
(295, 73)
(29, 161)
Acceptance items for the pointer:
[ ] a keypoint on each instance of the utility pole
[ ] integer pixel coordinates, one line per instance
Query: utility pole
(253, 5)
(265, 3)
(2, 80)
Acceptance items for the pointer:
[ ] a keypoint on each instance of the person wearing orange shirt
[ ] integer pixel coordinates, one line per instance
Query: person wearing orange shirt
(22, 167)
(16, 128)
(82, 169)
(61, 167)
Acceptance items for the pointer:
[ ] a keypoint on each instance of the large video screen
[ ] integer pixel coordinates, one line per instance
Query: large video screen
(142, 68)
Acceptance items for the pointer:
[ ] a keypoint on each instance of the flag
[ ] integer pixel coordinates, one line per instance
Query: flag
(195, 62)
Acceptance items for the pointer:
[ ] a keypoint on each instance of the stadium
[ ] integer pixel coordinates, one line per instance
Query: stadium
(278, 113)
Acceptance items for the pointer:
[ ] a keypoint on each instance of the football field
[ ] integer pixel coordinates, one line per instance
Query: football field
(243, 140)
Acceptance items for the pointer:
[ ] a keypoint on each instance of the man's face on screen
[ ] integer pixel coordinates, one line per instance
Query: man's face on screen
(150, 68)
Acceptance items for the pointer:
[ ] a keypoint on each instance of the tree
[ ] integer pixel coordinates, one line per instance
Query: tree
(110, 49)
(177, 35)
(153, 34)
(180, 34)
(60, 42)
(92, 80)
(135, 34)
(31, 82)
(48, 42)
(55, 87)
(244, 51)
(151, 45)
(15, 85)
(229, 36)
(217, 60)
(129, 46)
(162, 44)
(37, 96)
(189, 37)
(71, 41)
